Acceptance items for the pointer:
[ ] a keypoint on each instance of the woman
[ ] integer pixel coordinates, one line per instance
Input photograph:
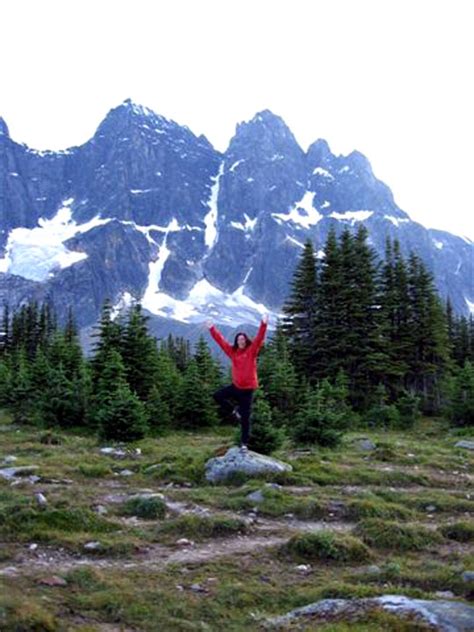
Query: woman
(243, 354)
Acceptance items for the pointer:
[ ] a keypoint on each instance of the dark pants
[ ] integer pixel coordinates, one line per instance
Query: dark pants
(243, 398)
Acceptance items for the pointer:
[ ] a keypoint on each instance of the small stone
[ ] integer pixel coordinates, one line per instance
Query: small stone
(92, 546)
(53, 580)
(303, 568)
(126, 473)
(365, 444)
(179, 587)
(9, 570)
(273, 485)
(138, 451)
(430, 508)
(256, 496)
(41, 499)
(468, 577)
(184, 542)
(197, 588)
(444, 594)
(10, 459)
(468, 445)
(33, 547)
(100, 509)
(289, 515)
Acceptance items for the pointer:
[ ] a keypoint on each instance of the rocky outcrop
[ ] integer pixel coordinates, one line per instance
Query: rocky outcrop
(247, 464)
(445, 616)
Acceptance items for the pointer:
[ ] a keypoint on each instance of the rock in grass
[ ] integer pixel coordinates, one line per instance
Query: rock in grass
(10, 459)
(464, 443)
(256, 496)
(365, 444)
(11, 472)
(247, 464)
(92, 546)
(445, 616)
(53, 580)
(41, 499)
(468, 577)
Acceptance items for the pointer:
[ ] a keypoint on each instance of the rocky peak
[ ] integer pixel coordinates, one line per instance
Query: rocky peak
(4, 128)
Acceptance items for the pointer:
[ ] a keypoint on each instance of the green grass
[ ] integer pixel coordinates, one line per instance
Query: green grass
(396, 536)
(459, 531)
(389, 507)
(200, 527)
(326, 546)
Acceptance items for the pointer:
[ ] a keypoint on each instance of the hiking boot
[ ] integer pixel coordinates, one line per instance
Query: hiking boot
(244, 449)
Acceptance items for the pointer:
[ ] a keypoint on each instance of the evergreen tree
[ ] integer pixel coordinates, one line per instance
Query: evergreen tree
(109, 337)
(278, 378)
(265, 436)
(196, 409)
(459, 391)
(324, 414)
(300, 312)
(209, 369)
(139, 353)
(117, 411)
(330, 326)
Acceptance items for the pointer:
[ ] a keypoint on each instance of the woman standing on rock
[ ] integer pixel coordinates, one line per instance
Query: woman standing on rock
(243, 354)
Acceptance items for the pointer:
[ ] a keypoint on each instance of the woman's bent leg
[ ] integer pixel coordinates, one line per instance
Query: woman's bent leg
(222, 397)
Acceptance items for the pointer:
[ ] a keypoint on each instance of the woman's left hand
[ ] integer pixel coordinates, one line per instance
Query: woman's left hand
(265, 318)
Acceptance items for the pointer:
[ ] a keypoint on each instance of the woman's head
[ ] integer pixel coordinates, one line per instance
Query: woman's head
(241, 341)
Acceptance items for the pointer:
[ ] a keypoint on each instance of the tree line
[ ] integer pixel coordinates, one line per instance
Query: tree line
(362, 341)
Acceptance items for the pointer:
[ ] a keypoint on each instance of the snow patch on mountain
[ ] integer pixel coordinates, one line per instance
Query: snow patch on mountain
(470, 306)
(35, 253)
(302, 213)
(210, 220)
(352, 216)
(396, 220)
(319, 171)
(205, 300)
(155, 269)
(249, 223)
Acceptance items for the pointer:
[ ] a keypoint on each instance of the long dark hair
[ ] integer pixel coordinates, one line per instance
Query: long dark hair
(248, 342)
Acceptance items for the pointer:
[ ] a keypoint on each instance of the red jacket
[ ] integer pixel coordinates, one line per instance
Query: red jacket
(244, 361)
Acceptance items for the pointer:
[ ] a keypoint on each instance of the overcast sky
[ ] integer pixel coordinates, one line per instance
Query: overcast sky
(390, 78)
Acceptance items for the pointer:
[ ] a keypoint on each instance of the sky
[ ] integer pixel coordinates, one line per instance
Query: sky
(390, 78)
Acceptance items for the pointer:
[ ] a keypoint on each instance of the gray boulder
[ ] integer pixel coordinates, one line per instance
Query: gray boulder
(445, 616)
(10, 472)
(464, 443)
(234, 462)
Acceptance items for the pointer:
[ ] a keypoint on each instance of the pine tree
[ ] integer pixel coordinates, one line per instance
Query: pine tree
(265, 436)
(330, 326)
(117, 411)
(300, 313)
(324, 414)
(196, 409)
(139, 353)
(278, 378)
(459, 391)
(209, 369)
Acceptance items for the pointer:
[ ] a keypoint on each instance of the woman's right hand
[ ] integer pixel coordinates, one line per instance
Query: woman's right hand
(209, 323)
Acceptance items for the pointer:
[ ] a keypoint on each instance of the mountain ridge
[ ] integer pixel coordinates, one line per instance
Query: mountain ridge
(148, 209)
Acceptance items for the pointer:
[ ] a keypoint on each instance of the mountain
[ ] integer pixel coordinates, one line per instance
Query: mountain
(146, 209)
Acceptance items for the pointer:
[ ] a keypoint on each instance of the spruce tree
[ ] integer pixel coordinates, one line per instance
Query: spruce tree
(300, 312)
(117, 411)
(139, 353)
(265, 436)
(196, 408)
